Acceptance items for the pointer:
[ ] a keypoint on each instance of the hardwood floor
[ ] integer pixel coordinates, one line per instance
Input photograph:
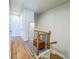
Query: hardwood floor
(55, 56)
(19, 51)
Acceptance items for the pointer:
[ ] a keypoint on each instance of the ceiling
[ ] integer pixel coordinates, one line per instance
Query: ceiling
(38, 6)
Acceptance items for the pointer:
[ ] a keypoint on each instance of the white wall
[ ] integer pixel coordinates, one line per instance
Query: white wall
(58, 21)
(20, 24)
(27, 18)
(35, 19)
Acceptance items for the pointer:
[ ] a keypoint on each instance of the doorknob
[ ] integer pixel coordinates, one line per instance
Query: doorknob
(10, 31)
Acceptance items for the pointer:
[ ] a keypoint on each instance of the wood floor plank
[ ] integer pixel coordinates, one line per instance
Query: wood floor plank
(19, 51)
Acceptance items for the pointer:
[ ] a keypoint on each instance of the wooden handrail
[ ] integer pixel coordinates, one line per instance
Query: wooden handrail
(41, 31)
(38, 32)
(55, 42)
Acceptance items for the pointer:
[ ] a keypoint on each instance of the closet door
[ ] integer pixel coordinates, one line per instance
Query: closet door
(14, 25)
(31, 30)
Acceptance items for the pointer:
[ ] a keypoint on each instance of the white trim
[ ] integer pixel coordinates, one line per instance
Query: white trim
(45, 52)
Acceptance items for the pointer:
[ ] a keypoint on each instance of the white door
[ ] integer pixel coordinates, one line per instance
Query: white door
(14, 25)
(31, 30)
